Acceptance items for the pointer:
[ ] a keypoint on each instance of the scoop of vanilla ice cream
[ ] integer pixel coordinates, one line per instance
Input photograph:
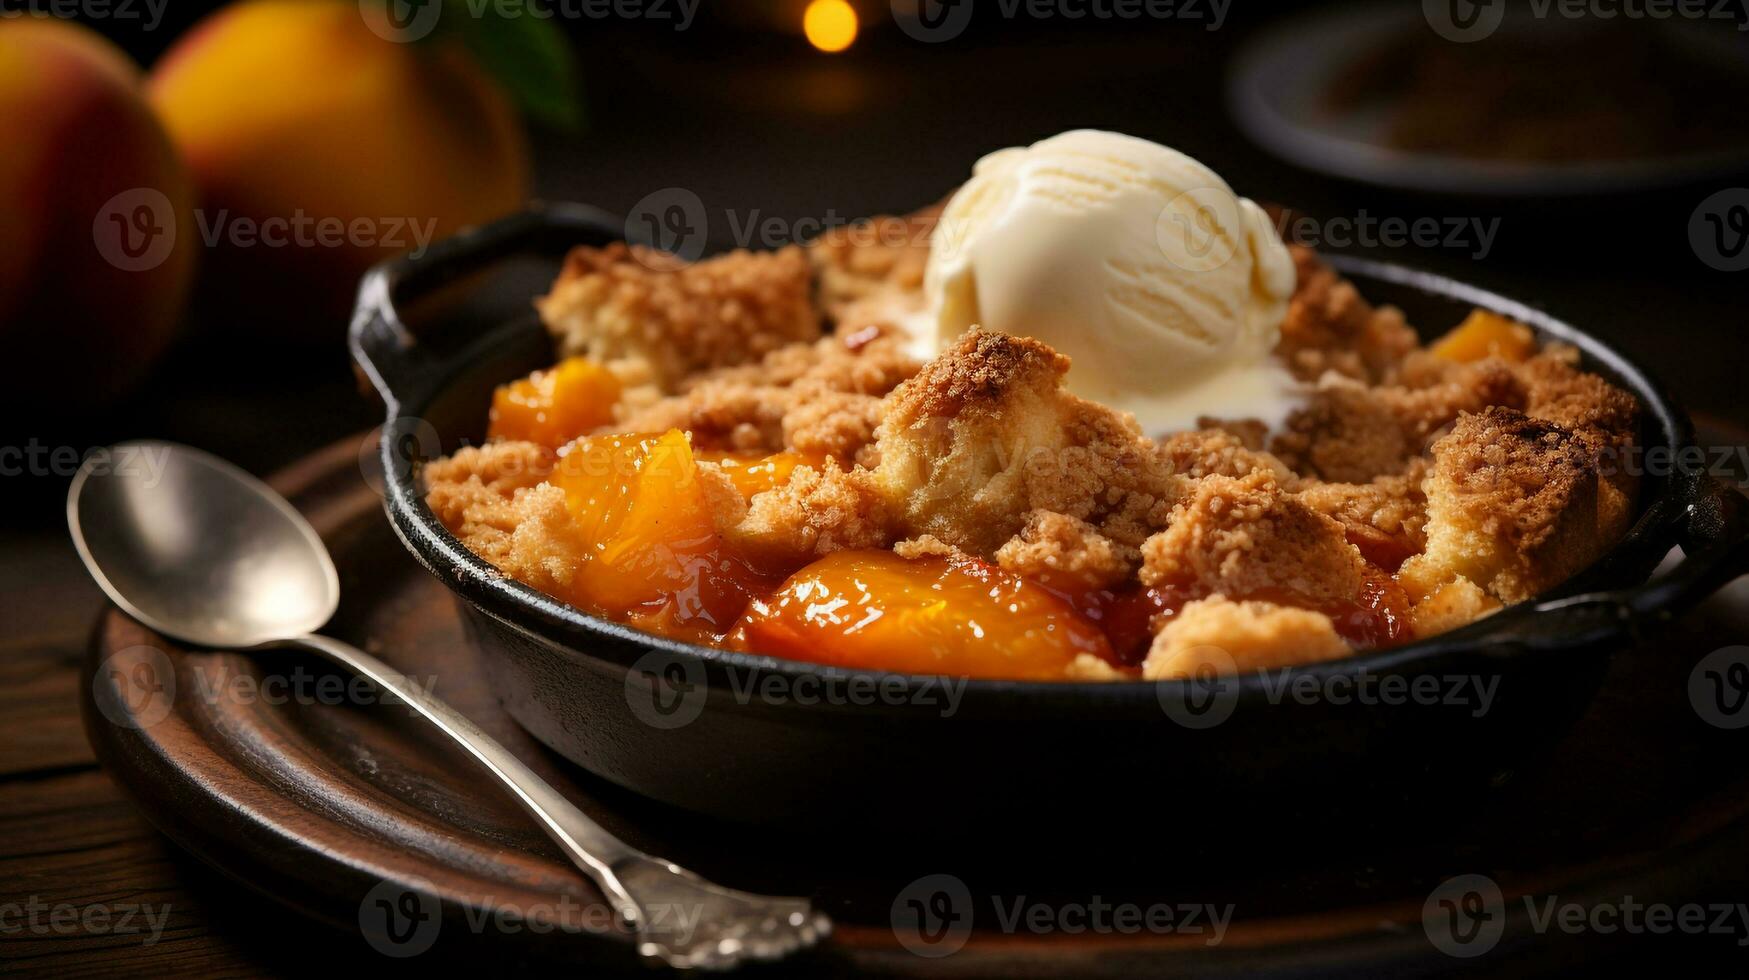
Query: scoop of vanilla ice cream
(1166, 290)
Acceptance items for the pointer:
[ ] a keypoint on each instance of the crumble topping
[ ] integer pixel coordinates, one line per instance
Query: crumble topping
(631, 303)
(1220, 635)
(1415, 485)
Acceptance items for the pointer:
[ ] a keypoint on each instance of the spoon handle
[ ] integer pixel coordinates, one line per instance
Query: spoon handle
(586, 842)
(681, 920)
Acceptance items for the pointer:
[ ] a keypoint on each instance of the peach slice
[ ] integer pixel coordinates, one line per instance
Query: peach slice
(1485, 334)
(650, 541)
(556, 406)
(873, 610)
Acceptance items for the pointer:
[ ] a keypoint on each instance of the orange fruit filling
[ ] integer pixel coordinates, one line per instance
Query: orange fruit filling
(1485, 334)
(873, 610)
(555, 406)
(651, 548)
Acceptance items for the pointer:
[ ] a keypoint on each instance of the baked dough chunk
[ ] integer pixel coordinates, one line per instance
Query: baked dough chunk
(873, 259)
(1329, 327)
(1218, 452)
(1221, 636)
(627, 303)
(1353, 432)
(1459, 602)
(821, 398)
(1386, 518)
(1513, 506)
(1246, 537)
(984, 435)
(494, 499)
(1065, 550)
(817, 512)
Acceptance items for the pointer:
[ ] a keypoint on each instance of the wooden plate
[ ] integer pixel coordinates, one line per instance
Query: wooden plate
(278, 771)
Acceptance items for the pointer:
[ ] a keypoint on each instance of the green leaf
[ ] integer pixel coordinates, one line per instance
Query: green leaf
(528, 55)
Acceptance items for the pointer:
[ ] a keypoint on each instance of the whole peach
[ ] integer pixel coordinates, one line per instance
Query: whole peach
(96, 241)
(320, 148)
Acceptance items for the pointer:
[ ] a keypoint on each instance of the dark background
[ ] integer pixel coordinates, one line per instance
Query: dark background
(754, 121)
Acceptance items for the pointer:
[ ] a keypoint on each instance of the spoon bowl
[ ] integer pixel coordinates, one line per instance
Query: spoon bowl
(198, 549)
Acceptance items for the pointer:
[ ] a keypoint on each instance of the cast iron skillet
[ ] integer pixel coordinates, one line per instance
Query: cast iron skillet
(756, 738)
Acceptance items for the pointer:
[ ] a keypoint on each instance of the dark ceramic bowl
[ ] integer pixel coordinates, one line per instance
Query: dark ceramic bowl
(756, 738)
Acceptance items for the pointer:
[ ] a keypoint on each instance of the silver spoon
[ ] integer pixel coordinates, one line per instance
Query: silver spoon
(202, 552)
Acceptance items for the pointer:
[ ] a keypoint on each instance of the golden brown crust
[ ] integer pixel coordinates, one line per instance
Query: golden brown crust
(1385, 518)
(822, 398)
(1456, 603)
(872, 259)
(1219, 636)
(1219, 452)
(1329, 327)
(817, 512)
(1247, 537)
(626, 302)
(1512, 505)
(494, 499)
(1068, 552)
(1353, 432)
(984, 435)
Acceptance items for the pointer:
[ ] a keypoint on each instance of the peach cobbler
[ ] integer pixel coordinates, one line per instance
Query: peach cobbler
(799, 453)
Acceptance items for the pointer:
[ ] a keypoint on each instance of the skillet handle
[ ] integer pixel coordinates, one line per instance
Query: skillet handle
(401, 368)
(1714, 535)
